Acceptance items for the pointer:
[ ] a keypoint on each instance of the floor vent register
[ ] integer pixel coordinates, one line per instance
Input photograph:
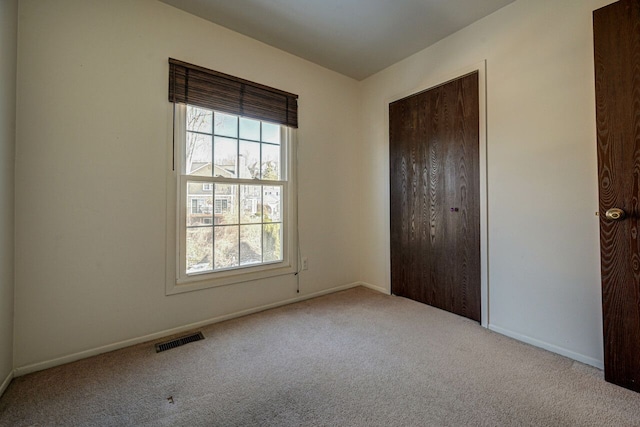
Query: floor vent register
(168, 345)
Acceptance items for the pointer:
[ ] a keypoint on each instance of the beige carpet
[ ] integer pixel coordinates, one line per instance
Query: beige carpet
(355, 358)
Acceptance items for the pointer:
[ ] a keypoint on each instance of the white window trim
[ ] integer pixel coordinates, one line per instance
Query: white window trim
(175, 283)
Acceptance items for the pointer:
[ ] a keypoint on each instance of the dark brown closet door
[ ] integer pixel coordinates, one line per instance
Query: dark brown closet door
(435, 203)
(617, 70)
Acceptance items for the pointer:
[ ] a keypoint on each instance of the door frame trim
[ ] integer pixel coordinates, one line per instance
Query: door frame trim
(430, 83)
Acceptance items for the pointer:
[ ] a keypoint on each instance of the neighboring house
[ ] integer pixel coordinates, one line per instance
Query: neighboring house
(204, 209)
(200, 203)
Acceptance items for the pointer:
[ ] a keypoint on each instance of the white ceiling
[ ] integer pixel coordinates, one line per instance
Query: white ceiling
(354, 37)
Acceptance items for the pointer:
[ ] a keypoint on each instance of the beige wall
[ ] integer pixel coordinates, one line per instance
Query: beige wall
(94, 129)
(8, 52)
(543, 257)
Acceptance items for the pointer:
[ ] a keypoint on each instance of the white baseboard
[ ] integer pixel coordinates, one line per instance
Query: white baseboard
(550, 347)
(375, 288)
(5, 383)
(23, 370)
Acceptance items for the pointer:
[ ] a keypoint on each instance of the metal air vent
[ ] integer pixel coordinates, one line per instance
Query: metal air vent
(168, 345)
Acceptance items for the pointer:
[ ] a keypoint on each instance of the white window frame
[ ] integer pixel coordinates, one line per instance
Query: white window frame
(177, 281)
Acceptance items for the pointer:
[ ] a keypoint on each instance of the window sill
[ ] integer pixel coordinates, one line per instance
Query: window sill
(214, 280)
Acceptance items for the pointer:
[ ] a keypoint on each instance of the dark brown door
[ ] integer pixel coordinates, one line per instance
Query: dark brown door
(617, 70)
(435, 203)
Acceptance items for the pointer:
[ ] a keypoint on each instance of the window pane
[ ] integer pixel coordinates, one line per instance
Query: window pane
(272, 242)
(199, 249)
(198, 154)
(271, 133)
(199, 203)
(250, 204)
(250, 129)
(272, 203)
(270, 162)
(199, 119)
(226, 154)
(225, 207)
(250, 244)
(226, 247)
(249, 160)
(226, 125)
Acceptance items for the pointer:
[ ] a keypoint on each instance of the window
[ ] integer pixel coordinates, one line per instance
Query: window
(234, 192)
(234, 205)
(198, 205)
(242, 160)
(221, 205)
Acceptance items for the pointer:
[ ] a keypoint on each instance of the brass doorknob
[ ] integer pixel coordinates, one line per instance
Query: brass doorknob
(615, 214)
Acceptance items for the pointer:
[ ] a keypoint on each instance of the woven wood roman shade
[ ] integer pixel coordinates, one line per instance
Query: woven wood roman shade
(191, 84)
